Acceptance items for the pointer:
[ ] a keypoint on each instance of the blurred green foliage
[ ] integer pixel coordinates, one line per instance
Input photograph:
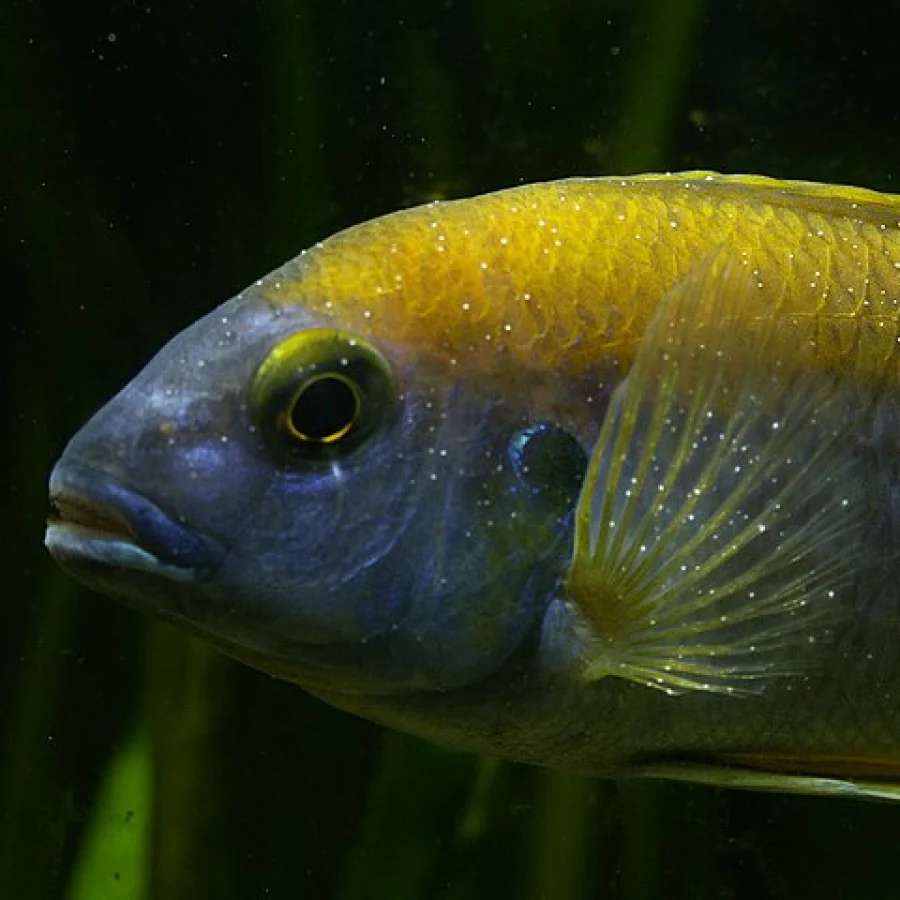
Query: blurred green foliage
(155, 158)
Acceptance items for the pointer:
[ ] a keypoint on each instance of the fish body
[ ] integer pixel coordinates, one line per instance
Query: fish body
(597, 474)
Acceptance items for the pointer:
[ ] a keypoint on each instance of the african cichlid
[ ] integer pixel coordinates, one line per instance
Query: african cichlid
(599, 474)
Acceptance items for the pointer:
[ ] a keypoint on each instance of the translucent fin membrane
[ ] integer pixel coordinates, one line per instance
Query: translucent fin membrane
(721, 516)
(780, 782)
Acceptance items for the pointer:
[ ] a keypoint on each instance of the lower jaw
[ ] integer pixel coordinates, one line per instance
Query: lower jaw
(92, 555)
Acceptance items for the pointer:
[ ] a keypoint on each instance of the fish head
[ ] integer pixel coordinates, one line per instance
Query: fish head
(323, 496)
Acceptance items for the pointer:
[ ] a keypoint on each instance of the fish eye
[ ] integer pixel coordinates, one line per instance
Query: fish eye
(320, 394)
(325, 409)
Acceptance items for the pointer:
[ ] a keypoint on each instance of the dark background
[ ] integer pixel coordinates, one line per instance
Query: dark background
(157, 156)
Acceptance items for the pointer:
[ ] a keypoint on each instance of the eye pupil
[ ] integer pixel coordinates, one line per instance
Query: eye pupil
(324, 410)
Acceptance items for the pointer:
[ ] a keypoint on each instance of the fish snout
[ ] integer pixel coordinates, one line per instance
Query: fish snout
(98, 525)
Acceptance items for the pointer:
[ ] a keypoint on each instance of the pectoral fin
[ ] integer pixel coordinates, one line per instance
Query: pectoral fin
(719, 522)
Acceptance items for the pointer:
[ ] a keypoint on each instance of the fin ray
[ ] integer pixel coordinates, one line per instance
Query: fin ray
(721, 513)
(730, 776)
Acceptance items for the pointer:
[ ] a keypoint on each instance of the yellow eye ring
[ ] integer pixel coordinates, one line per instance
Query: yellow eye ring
(319, 419)
(320, 394)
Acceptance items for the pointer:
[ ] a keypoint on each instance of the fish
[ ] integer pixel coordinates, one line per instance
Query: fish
(598, 474)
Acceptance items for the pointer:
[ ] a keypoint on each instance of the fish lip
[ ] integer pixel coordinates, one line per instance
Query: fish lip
(97, 521)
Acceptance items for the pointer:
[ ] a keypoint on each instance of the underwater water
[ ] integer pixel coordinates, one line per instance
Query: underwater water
(159, 157)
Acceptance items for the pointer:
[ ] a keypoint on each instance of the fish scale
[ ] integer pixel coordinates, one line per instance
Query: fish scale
(615, 258)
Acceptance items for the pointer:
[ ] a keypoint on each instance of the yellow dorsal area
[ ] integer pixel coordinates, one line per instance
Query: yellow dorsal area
(561, 275)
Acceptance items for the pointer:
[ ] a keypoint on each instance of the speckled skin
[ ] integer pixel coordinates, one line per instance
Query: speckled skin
(530, 304)
(559, 277)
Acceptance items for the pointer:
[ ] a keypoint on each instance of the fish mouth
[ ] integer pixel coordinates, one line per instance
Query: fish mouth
(97, 526)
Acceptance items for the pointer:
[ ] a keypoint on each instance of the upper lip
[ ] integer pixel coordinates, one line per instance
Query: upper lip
(67, 508)
(91, 499)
